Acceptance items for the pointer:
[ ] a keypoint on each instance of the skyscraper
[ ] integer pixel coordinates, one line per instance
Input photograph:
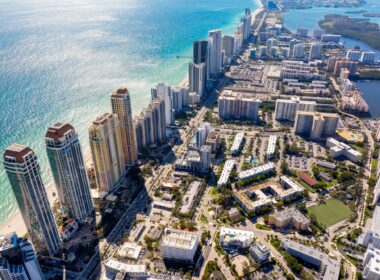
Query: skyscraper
(107, 151)
(229, 46)
(17, 259)
(70, 177)
(214, 52)
(200, 52)
(121, 105)
(247, 24)
(163, 91)
(180, 96)
(23, 171)
(150, 125)
(197, 75)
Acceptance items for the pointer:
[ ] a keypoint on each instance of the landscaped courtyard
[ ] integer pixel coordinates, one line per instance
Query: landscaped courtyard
(330, 212)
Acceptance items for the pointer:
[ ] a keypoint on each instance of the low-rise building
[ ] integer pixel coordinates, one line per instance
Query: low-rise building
(306, 178)
(234, 215)
(256, 171)
(115, 267)
(129, 250)
(259, 253)
(326, 164)
(179, 245)
(371, 263)
(163, 205)
(237, 144)
(289, 217)
(249, 205)
(338, 149)
(235, 238)
(328, 267)
(289, 189)
(223, 179)
(271, 148)
(189, 198)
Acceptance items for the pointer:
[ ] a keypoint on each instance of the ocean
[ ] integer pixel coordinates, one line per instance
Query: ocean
(60, 60)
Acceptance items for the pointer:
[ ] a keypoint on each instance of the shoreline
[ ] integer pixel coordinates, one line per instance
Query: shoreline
(15, 223)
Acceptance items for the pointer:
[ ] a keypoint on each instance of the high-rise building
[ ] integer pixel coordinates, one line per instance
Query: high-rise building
(298, 51)
(197, 78)
(331, 38)
(292, 43)
(200, 52)
(302, 32)
(163, 91)
(233, 105)
(247, 24)
(107, 151)
(368, 57)
(317, 33)
(214, 52)
(121, 105)
(345, 63)
(179, 245)
(316, 125)
(150, 125)
(70, 176)
(201, 133)
(18, 260)
(354, 55)
(229, 46)
(315, 51)
(272, 42)
(23, 171)
(287, 109)
(378, 133)
(180, 96)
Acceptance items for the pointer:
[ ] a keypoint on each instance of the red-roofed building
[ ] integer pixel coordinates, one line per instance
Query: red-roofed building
(305, 177)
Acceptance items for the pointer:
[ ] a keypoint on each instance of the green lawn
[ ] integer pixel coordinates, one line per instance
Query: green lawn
(330, 212)
(263, 227)
(214, 191)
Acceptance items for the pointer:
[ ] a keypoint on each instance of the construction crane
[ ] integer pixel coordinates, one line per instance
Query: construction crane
(186, 57)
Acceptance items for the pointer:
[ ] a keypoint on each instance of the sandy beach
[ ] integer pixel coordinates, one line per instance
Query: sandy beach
(16, 224)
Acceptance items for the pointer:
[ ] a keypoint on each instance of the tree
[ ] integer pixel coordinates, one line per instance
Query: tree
(316, 170)
(306, 275)
(313, 218)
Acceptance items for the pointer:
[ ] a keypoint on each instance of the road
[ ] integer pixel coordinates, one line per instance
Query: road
(368, 165)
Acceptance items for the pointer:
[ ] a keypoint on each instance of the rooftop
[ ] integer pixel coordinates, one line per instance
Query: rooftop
(180, 239)
(17, 151)
(58, 130)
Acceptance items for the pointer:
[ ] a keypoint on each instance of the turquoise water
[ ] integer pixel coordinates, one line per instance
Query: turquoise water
(309, 18)
(59, 60)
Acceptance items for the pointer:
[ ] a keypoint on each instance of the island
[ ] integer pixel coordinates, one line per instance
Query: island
(356, 28)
